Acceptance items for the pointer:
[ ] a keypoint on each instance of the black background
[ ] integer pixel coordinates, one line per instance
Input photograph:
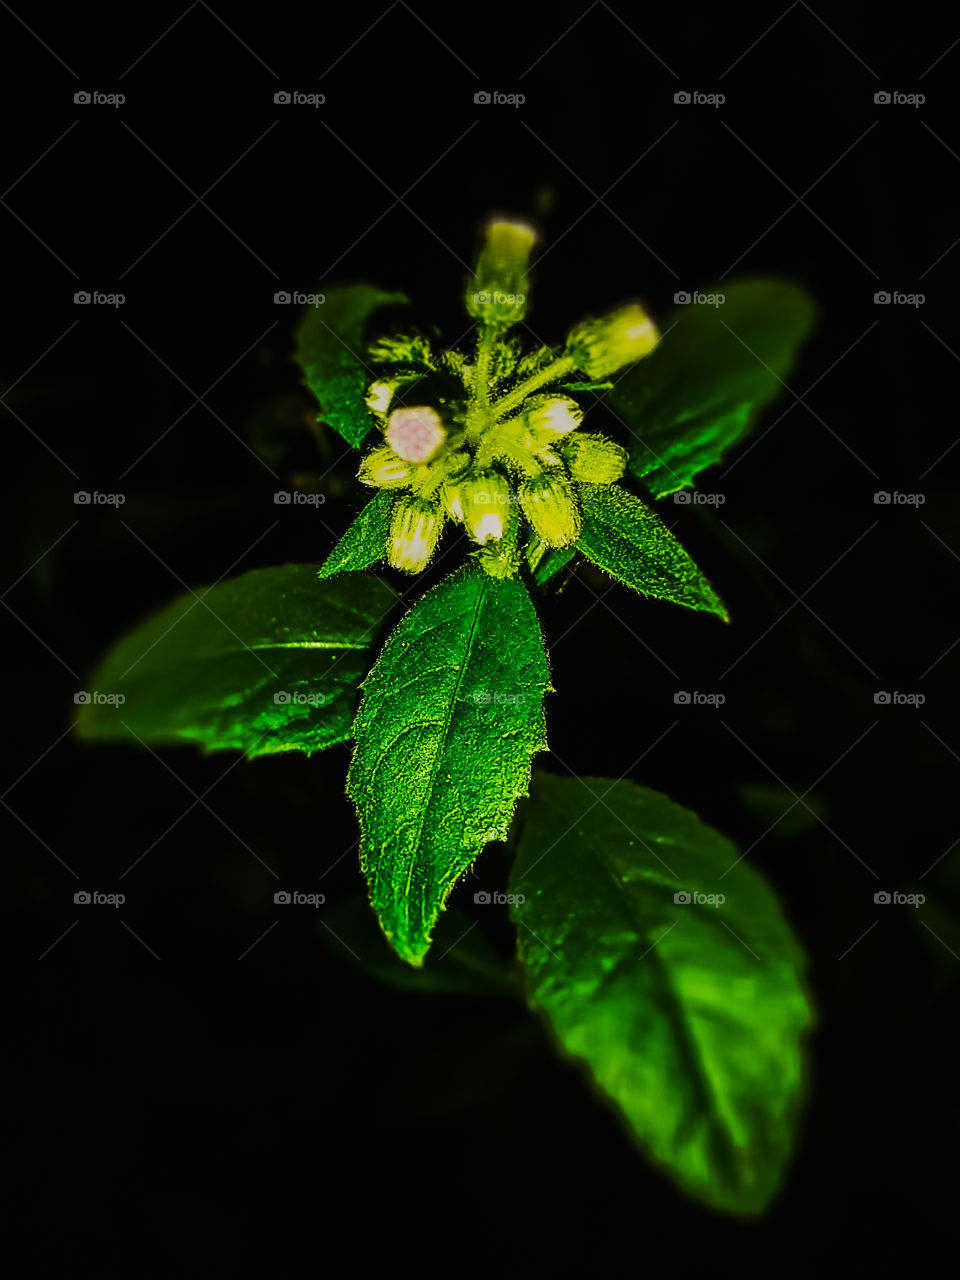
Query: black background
(181, 1058)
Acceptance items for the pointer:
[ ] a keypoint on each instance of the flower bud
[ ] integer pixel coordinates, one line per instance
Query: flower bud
(382, 469)
(415, 434)
(482, 503)
(600, 347)
(414, 531)
(378, 397)
(501, 559)
(497, 294)
(549, 503)
(594, 458)
(552, 415)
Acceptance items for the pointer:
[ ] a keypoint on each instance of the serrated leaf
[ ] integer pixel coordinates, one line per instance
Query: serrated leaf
(365, 541)
(688, 1016)
(331, 348)
(269, 661)
(715, 368)
(450, 717)
(625, 538)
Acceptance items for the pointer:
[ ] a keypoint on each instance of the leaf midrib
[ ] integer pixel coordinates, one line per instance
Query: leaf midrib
(448, 717)
(685, 1035)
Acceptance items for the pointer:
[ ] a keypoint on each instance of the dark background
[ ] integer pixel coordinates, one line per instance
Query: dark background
(189, 1054)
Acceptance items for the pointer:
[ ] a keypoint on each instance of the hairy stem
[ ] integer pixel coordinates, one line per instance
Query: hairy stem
(557, 369)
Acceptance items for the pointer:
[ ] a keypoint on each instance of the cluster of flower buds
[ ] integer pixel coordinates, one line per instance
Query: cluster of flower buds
(510, 451)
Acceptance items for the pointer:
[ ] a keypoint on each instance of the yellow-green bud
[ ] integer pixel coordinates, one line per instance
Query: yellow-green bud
(548, 416)
(502, 559)
(594, 458)
(414, 531)
(549, 503)
(481, 502)
(497, 294)
(382, 469)
(378, 397)
(601, 347)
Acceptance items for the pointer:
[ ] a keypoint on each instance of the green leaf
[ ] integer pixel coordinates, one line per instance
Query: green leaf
(269, 661)
(545, 562)
(689, 1016)
(365, 541)
(451, 715)
(625, 538)
(331, 349)
(703, 387)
